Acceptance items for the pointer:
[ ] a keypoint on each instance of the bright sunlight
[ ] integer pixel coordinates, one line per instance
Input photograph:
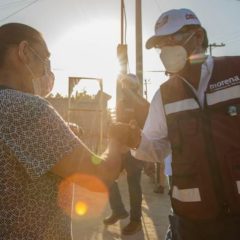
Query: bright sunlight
(87, 50)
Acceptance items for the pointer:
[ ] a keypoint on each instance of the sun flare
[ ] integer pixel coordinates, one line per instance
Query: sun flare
(88, 51)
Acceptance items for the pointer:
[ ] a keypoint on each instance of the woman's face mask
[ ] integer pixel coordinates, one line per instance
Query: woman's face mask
(42, 85)
(174, 58)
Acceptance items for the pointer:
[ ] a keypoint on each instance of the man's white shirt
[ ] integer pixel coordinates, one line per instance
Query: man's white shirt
(155, 146)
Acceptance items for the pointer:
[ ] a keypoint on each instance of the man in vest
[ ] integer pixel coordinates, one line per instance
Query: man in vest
(131, 107)
(196, 116)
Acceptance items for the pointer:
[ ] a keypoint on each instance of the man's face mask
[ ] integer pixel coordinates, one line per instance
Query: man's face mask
(42, 85)
(174, 58)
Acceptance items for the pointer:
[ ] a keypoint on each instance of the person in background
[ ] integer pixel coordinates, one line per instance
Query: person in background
(131, 107)
(196, 115)
(150, 171)
(38, 150)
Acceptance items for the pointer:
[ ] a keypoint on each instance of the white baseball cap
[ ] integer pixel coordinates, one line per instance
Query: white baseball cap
(172, 21)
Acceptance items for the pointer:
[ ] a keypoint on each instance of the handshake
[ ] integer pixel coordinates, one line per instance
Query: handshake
(127, 134)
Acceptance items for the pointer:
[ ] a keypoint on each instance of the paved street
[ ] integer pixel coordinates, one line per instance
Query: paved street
(155, 210)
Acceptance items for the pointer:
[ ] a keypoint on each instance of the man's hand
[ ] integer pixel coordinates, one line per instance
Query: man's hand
(126, 134)
(112, 160)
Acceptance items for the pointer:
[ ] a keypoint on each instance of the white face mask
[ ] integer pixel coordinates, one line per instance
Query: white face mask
(43, 85)
(174, 58)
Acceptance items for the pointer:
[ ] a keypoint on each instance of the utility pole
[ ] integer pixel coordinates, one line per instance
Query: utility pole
(146, 82)
(122, 21)
(122, 47)
(213, 45)
(122, 51)
(139, 59)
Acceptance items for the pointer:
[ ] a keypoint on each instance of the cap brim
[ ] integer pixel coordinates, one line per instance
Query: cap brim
(150, 42)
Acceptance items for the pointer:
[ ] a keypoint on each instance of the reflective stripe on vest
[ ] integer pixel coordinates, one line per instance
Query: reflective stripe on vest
(186, 195)
(238, 186)
(223, 95)
(183, 105)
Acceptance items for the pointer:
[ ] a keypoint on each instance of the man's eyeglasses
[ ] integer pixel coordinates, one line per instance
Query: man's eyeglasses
(46, 61)
(173, 39)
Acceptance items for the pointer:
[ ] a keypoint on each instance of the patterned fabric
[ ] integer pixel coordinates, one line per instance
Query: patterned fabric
(33, 137)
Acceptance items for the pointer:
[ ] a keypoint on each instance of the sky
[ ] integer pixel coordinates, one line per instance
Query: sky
(82, 35)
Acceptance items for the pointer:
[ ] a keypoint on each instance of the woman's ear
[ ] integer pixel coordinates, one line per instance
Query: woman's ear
(23, 52)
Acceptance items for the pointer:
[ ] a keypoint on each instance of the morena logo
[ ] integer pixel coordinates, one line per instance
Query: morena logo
(190, 16)
(161, 22)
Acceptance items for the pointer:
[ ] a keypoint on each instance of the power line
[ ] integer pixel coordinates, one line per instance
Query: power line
(19, 10)
(158, 5)
(229, 37)
(12, 4)
(233, 38)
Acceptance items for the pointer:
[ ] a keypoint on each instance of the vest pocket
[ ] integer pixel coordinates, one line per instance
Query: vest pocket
(188, 195)
(232, 179)
(185, 193)
(185, 182)
(184, 174)
(235, 171)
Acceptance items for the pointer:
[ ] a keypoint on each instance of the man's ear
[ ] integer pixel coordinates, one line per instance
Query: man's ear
(200, 36)
(23, 52)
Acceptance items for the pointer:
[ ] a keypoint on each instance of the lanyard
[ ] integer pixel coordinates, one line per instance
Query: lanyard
(206, 73)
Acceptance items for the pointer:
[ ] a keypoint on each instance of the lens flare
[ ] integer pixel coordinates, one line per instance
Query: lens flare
(95, 159)
(82, 196)
(197, 58)
(81, 208)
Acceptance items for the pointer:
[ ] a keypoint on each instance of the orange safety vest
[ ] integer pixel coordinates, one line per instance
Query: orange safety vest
(205, 143)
